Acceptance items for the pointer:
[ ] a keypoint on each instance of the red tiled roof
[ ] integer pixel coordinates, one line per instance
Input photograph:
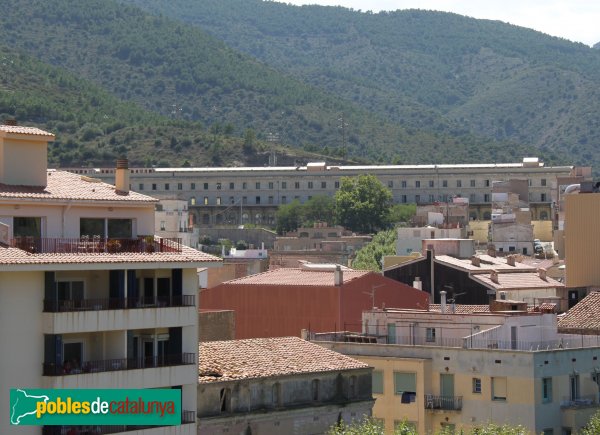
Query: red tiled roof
(19, 129)
(265, 357)
(487, 264)
(583, 318)
(540, 263)
(516, 281)
(297, 277)
(461, 308)
(14, 256)
(67, 186)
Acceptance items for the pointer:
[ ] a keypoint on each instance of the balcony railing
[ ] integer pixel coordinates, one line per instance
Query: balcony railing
(89, 245)
(73, 305)
(109, 365)
(187, 417)
(448, 403)
(580, 402)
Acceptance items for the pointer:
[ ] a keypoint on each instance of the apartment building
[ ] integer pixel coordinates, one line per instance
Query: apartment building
(89, 297)
(274, 386)
(172, 220)
(501, 363)
(252, 194)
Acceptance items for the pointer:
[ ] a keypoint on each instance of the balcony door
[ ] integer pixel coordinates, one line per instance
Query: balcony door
(27, 227)
(446, 385)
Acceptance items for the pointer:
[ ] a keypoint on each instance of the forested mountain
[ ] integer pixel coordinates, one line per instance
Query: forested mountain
(178, 71)
(433, 71)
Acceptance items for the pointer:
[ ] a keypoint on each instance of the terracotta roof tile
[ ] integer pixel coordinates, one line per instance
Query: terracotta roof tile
(67, 186)
(516, 281)
(265, 357)
(19, 129)
(487, 264)
(461, 308)
(583, 318)
(14, 256)
(294, 276)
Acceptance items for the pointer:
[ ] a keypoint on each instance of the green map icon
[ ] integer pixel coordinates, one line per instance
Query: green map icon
(23, 405)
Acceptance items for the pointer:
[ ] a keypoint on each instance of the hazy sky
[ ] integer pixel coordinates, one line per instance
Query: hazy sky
(576, 20)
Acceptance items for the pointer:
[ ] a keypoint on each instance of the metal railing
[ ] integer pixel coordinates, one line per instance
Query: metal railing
(67, 368)
(90, 245)
(448, 403)
(187, 417)
(72, 305)
(580, 402)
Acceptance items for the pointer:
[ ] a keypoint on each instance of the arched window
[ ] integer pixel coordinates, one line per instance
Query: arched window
(543, 215)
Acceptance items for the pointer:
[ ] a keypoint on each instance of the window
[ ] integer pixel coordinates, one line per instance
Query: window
(404, 199)
(231, 200)
(323, 184)
(310, 184)
(405, 385)
(417, 183)
(111, 228)
(431, 183)
(417, 199)
(574, 387)
(315, 389)
(166, 186)
(431, 198)
(270, 185)
(69, 290)
(486, 197)
(257, 200)
(337, 184)
(458, 183)
(390, 184)
(543, 197)
(403, 184)
(546, 390)
(270, 200)
(377, 382)
(192, 186)
(231, 186)
(244, 200)
(476, 385)
(179, 186)
(205, 186)
(543, 182)
(499, 389)
(141, 186)
(472, 183)
(206, 200)
(430, 335)
(486, 183)
(284, 184)
(244, 185)
(225, 400)
(284, 199)
(218, 200)
(472, 197)
(153, 186)
(297, 185)
(444, 183)
(548, 432)
(193, 200)
(27, 227)
(162, 225)
(257, 185)
(218, 186)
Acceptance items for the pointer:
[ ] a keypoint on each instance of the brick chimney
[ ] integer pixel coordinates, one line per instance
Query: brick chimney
(338, 276)
(122, 177)
(475, 261)
(542, 273)
(510, 260)
(494, 276)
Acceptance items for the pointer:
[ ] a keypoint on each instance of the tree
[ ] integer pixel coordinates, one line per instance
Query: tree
(369, 256)
(400, 213)
(593, 426)
(289, 217)
(362, 203)
(319, 208)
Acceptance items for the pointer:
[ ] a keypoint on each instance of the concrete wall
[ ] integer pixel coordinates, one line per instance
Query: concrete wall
(480, 231)
(23, 162)
(255, 236)
(582, 240)
(216, 325)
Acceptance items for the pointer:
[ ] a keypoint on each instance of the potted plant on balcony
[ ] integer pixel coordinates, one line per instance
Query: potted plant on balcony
(147, 243)
(113, 246)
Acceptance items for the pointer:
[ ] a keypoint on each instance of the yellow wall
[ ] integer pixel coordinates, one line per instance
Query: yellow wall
(480, 230)
(542, 230)
(582, 240)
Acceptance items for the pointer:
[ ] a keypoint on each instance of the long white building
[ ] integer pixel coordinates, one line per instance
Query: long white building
(89, 298)
(252, 194)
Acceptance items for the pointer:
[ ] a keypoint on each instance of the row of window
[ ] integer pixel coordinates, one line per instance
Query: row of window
(322, 184)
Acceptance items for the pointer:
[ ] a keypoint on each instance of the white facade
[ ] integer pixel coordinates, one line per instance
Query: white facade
(411, 239)
(172, 220)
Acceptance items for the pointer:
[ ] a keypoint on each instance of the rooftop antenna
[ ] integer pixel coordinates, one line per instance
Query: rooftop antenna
(372, 293)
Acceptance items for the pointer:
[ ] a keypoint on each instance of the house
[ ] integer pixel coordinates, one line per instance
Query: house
(89, 297)
(583, 318)
(282, 385)
(317, 297)
(457, 367)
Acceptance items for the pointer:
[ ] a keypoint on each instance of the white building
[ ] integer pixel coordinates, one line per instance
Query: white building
(172, 220)
(89, 298)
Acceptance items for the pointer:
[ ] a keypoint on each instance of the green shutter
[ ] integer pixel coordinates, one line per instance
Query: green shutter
(405, 382)
(377, 382)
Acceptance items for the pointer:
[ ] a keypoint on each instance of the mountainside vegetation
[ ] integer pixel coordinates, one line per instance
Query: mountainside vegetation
(177, 71)
(432, 71)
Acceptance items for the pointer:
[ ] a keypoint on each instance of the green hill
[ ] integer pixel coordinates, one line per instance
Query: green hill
(433, 71)
(180, 72)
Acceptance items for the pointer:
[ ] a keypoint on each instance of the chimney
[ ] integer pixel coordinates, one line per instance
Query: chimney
(510, 260)
(475, 261)
(491, 252)
(443, 301)
(122, 177)
(338, 276)
(494, 276)
(542, 273)
(417, 283)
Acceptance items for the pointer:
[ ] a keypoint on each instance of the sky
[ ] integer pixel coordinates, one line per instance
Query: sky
(575, 20)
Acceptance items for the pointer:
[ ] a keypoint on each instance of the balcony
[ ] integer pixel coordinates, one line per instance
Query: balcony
(580, 402)
(71, 305)
(110, 365)
(87, 245)
(187, 417)
(445, 403)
